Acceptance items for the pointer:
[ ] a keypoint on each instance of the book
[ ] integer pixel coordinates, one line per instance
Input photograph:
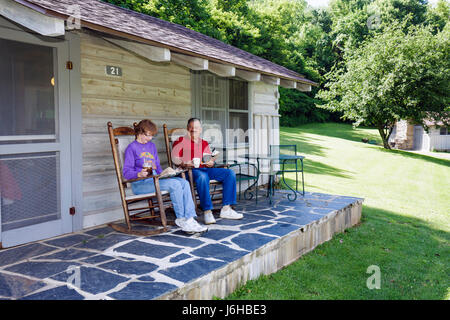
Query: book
(170, 172)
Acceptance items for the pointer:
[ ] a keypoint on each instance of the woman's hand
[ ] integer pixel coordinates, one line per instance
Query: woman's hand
(143, 173)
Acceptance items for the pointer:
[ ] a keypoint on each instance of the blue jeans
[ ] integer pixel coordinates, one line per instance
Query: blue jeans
(179, 191)
(202, 176)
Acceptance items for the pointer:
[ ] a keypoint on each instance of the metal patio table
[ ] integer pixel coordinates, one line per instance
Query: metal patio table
(283, 158)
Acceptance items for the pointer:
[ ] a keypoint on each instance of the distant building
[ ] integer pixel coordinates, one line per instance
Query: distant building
(408, 136)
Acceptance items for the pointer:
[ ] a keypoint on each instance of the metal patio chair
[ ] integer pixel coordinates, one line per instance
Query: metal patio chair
(287, 158)
(245, 172)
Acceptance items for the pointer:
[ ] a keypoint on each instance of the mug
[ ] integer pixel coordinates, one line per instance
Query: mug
(196, 162)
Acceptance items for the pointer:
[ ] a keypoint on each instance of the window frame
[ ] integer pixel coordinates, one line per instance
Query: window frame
(197, 108)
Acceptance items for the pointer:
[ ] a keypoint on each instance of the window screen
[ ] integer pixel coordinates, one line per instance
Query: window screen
(27, 92)
(29, 189)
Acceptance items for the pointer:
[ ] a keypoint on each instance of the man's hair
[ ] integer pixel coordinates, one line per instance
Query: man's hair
(192, 120)
(144, 126)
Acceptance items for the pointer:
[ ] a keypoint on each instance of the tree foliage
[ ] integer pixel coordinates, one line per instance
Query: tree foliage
(393, 76)
(313, 42)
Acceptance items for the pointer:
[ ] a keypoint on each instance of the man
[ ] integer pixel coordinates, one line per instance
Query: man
(191, 146)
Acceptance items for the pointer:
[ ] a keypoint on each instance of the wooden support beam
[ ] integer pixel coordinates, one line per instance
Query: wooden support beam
(248, 75)
(303, 87)
(31, 19)
(270, 80)
(150, 52)
(190, 62)
(289, 84)
(222, 70)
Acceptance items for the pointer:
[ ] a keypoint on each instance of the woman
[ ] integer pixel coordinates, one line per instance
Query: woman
(141, 154)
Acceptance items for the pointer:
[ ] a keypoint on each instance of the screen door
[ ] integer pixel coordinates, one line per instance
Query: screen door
(35, 189)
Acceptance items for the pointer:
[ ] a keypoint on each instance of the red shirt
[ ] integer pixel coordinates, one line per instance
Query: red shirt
(186, 149)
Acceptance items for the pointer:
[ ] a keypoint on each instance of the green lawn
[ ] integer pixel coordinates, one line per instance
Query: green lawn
(405, 221)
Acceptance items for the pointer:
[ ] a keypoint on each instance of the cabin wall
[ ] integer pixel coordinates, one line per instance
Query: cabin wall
(158, 91)
(146, 89)
(266, 119)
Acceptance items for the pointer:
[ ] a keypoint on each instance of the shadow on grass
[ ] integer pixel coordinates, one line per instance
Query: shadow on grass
(316, 167)
(336, 130)
(412, 256)
(418, 156)
(304, 144)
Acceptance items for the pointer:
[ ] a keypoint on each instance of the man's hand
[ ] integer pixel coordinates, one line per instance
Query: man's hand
(209, 164)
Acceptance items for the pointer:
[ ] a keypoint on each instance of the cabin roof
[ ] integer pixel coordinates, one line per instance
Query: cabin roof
(108, 18)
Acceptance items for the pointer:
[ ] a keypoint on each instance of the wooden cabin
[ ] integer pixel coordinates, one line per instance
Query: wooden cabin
(68, 67)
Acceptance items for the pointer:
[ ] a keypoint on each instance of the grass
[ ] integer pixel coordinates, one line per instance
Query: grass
(404, 228)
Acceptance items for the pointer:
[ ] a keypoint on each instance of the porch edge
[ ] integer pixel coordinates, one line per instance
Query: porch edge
(270, 258)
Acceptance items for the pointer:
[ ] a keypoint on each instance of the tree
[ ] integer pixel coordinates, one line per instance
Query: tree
(400, 10)
(393, 76)
(439, 15)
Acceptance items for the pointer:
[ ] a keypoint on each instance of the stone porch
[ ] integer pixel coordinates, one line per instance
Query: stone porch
(100, 263)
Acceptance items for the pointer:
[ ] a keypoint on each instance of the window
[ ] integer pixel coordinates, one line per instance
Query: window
(443, 131)
(238, 112)
(222, 105)
(213, 108)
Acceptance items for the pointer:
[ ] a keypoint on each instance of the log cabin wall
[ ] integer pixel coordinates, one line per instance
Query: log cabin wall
(146, 89)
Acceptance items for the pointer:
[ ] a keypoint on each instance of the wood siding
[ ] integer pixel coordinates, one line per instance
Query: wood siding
(264, 106)
(158, 91)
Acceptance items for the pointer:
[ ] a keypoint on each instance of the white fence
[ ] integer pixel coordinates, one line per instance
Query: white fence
(439, 142)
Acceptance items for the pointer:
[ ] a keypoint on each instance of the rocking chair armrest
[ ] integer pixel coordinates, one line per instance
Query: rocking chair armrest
(171, 176)
(158, 176)
(137, 179)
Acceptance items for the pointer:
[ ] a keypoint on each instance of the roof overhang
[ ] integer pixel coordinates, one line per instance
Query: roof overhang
(51, 23)
(33, 18)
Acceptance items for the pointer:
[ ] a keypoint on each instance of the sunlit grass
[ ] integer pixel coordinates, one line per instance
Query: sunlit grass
(405, 224)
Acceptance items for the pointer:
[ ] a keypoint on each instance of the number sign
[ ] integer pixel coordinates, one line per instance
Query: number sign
(114, 71)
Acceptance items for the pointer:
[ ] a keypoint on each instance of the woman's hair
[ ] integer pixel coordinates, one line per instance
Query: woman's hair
(144, 126)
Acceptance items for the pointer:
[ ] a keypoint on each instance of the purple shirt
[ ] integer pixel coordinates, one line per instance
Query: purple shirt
(136, 154)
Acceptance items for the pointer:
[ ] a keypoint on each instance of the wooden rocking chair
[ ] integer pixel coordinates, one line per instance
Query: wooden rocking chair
(170, 136)
(137, 220)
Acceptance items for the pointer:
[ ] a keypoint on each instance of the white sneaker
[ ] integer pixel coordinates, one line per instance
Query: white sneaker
(209, 218)
(181, 222)
(192, 226)
(230, 214)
